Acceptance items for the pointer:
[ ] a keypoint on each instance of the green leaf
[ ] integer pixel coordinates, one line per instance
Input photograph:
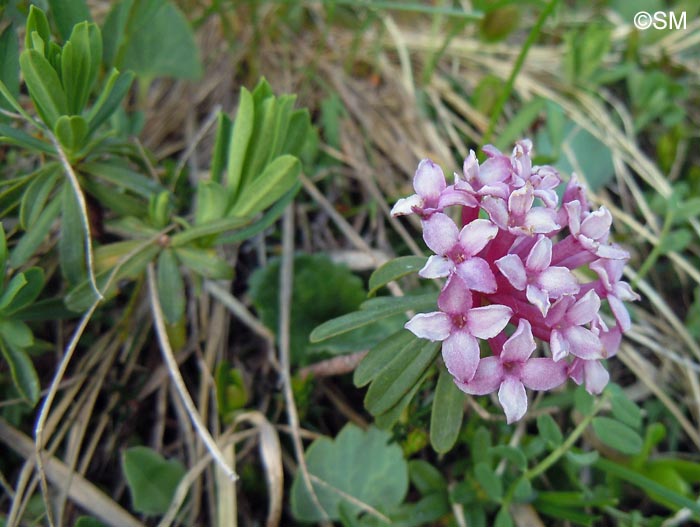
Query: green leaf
(152, 480)
(231, 391)
(39, 24)
(206, 229)
(80, 64)
(152, 38)
(676, 240)
(503, 518)
(9, 66)
(22, 371)
(44, 86)
(380, 356)
(425, 477)
(277, 178)
(583, 401)
(582, 459)
(32, 281)
(387, 419)
(16, 284)
(110, 98)
(205, 262)
(489, 481)
(313, 300)
(72, 132)
(617, 435)
(71, 244)
(371, 312)
(68, 14)
(623, 408)
(3, 255)
(240, 137)
(210, 202)
(512, 454)
(87, 521)
(520, 123)
(34, 237)
(222, 143)
(400, 376)
(16, 333)
(446, 416)
(123, 177)
(361, 464)
(17, 137)
(171, 286)
(37, 193)
(549, 430)
(393, 270)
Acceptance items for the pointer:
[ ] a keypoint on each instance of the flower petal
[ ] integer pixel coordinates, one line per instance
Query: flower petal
(511, 266)
(497, 209)
(583, 343)
(477, 274)
(543, 373)
(513, 398)
(475, 235)
(596, 376)
(520, 345)
(455, 297)
(405, 205)
(540, 255)
(541, 220)
(539, 298)
(557, 281)
(429, 180)
(487, 379)
(619, 309)
(440, 233)
(432, 326)
(584, 310)
(520, 201)
(460, 351)
(437, 267)
(597, 224)
(488, 321)
(558, 345)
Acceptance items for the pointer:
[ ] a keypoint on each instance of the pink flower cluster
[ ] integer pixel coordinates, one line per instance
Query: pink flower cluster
(510, 277)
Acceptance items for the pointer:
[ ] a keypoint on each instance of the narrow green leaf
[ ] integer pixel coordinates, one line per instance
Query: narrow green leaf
(152, 479)
(16, 333)
(549, 430)
(33, 284)
(80, 63)
(623, 408)
(258, 152)
(68, 14)
(87, 521)
(447, 414)
(72, 132)
(489, 481)
(22, 371)
(13, 288)
(34, 237)
(299, 132)
(37, 193)
(110, 98)
(44, 86)
(9, 66)
(277, 178)
(519, 124)
(239, 141)
(3, 254)
(617, 435)
(171, 286)
(71, 244)
(393, 270)
(400, 376)
(386, 420)
(222, 143)
(371, 312)
(210, 202)
(124, 205)
(503, 518)
(207, 229)
(123, 177)
(380, 356)
(205, 262)
(17, 137)
(582, 459)
(425, 477)
(39, 24)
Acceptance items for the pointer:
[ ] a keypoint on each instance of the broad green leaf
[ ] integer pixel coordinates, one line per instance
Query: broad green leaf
(210, 202)
(44, 86)
(446, 416)
(380, 356)
(205, 262)
(16, 333)
(72, 132)
(67, 14)
(37, 193)
(9, 66)
(151, 38)
(22, 371)
(549, 430)
(171, 286)
(617, 435)
(371, 312)
(277, 178)
(313, 300)
(219, 226)
(32, 284)
(425, 477)
(393, 270)
(489, 481)
(222, 144)
(582, 459)
(33, 238)
(623, 408)
(110, 98)
(152, 480)
(239, 139)
(364, 465)
(71, 244)
(39, 24)
(400, 376)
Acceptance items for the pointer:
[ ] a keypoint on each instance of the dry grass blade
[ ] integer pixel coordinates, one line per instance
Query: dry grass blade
(80, 490)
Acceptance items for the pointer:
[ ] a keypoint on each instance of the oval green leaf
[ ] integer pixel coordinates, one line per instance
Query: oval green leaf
(447, 413)
(393, 270)
(617, 435)
(171, 286)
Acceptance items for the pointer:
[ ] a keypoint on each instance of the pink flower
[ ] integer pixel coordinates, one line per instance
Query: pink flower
(517, 216)
(513, 370)
(432, 193)
(459, 325)
(616, 291)
(456, 251)
(540, 281)
(566, 318)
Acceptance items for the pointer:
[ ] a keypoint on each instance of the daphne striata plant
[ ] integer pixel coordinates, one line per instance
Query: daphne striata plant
(516, 274)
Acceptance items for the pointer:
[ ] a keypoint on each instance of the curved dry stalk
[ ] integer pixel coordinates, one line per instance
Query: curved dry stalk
(177, 379)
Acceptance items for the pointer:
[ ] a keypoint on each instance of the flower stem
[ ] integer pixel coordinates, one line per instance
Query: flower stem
(508, 88)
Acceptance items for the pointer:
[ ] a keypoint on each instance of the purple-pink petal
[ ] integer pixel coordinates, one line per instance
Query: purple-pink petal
(539, 298)
(596, 376)
(432, 326)
(520, 345)
(583, 343)
(541, 221)
(584, 310)
(557, 281)
(455, 297)
(520, 201)
(460, 351)
(477, 274)
(497, 210)
(436, 267)
(511, 266)
(540, 255)
(619, 309)
(440, 233)
(488, 321)
(475, 235)
(429, 180)
(406, 205)
(487, 379)
(513, 399)
(597, 224)
(543, 373)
